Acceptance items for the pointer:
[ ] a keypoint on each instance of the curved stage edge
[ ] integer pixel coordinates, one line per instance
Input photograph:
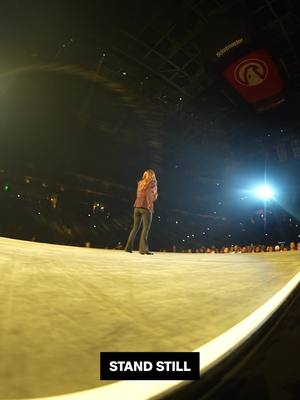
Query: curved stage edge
(212, 354)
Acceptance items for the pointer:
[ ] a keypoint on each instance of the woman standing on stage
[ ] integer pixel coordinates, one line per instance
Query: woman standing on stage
(143, 210)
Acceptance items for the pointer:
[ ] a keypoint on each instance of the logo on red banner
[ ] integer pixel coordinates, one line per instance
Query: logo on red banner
(255, 76)
(251, 72)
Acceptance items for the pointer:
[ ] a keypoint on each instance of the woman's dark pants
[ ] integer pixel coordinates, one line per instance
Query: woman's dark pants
(139, 215)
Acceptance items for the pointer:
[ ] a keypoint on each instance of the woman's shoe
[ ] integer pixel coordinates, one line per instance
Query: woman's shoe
(128, 251)
(148, 253)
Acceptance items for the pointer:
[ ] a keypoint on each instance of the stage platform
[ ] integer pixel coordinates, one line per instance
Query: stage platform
(60, 306)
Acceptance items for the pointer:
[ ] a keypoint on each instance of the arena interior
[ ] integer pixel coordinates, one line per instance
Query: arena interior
(206, 94)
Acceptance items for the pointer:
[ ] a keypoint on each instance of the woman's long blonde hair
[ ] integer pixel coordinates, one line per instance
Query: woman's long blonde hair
(148, 176)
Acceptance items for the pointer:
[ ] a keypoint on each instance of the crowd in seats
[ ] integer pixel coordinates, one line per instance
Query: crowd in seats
(239, 249)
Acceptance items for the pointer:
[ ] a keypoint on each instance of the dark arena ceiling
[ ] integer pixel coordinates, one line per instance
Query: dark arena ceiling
(105, 89)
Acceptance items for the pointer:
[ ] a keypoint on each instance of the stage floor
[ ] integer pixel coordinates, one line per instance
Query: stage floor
(60, 306)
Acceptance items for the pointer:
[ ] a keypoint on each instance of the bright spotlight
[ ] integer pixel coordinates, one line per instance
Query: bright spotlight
(264, 192)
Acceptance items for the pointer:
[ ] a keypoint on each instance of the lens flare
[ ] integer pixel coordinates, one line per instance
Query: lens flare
(264, 192)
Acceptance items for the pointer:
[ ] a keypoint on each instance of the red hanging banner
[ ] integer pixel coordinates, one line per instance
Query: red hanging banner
(256, 77)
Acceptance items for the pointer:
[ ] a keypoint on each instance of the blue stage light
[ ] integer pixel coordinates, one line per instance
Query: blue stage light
(264, 192)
